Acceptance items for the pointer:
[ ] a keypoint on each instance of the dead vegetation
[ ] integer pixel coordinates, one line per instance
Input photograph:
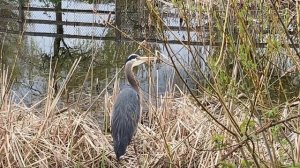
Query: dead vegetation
(180, 134)
(236, 120)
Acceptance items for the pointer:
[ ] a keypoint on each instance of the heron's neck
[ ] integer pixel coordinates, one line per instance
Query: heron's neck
(130, 76)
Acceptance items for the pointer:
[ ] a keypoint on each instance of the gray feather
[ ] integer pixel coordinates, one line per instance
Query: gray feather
(125, 117)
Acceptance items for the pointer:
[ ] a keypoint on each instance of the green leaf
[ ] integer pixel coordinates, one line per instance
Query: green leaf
(272, 114)
(218, 140)
(246, 123)
(226, 164)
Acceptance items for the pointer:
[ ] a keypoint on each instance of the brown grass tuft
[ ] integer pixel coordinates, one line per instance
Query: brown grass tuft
(180, 135)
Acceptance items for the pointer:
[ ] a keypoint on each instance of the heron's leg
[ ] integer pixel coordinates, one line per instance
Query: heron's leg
(136, 153)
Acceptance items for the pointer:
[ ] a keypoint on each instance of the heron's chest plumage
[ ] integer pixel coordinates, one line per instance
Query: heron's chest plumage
(128, 105)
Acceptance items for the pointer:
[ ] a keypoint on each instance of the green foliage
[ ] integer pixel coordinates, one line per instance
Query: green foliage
(247, 125)
(223, 79)
(227, 164)
(246, 61)
(244, 163)
(276, 131)
(103, 160)
(218, 140)
(273, 45)
(296, 165)
(178, 3)
(273, 113)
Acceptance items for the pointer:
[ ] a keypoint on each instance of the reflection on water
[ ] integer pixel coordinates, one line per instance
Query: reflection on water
(100, 59)
(107, 56)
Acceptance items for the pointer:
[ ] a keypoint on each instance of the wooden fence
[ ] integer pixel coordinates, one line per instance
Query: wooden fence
(23, 21)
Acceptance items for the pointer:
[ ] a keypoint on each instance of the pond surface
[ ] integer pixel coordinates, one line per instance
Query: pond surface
(101, 59)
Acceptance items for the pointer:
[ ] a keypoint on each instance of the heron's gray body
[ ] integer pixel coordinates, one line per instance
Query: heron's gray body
(125, 117)
(127, 108)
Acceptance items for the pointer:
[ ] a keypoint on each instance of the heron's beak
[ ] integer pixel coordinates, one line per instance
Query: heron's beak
(148, 59)
(142, 60)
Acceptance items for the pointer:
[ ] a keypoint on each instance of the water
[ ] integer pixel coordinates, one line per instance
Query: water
(105, 57)
(32, 71)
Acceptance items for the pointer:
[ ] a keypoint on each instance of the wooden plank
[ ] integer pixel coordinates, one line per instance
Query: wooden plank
(95, 24)
(28, 8)
(39, 9)
(92, 24)
(198, 43)
(42, 9)
(107, 38)
(56, 35)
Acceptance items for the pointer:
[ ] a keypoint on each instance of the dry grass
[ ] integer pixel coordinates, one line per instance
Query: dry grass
(70, 138)
(230, 125)
(180, 135)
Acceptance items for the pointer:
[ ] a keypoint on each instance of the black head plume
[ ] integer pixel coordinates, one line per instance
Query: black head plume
(131, 57)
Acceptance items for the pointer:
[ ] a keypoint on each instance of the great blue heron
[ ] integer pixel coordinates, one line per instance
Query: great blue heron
(127, 108)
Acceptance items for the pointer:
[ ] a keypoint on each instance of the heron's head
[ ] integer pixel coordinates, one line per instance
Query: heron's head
(138, 60)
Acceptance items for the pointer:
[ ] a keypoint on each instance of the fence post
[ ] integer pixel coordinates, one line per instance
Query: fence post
(59, 28)
(118, 21)
(21, 15)
(128, 16)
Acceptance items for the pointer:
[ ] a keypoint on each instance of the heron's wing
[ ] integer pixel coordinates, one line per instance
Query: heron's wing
(125, 117)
